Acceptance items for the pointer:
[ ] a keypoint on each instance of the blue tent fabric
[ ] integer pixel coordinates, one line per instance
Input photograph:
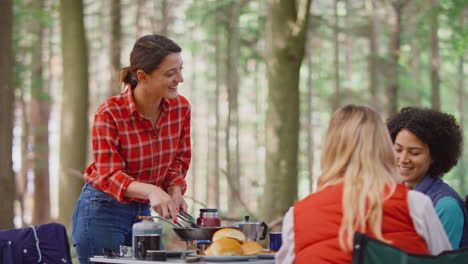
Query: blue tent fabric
(42, 244)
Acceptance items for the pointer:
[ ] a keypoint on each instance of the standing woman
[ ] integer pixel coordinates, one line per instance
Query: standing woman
(141, 149)
(428, 143)
(358, 190)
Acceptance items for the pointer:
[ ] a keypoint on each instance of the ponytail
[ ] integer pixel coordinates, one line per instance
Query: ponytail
(127, 77)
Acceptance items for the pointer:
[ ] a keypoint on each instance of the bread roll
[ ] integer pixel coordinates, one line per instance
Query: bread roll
(229, 233)
(224, 247)
(252, 248)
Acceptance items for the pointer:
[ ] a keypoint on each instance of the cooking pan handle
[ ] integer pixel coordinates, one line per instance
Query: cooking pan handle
(265, 230)
(177, 225)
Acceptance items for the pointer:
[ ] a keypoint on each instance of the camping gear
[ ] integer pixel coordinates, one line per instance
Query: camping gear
(369, 250)
(40, 244)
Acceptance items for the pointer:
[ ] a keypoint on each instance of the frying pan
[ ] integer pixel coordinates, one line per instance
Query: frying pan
(191, 233)
(201, 233)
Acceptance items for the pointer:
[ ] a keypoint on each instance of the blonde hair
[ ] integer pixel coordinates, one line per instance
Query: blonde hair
(358, 152)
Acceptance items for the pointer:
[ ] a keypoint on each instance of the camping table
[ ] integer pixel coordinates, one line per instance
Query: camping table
(101, 259)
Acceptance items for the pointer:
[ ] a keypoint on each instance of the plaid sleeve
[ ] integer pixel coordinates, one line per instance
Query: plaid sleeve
(180, 165)
(109, 174)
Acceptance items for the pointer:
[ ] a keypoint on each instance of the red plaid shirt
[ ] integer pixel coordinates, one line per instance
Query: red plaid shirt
(127, 148)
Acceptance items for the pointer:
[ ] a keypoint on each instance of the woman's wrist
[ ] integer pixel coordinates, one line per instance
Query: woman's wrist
(174, 189)
(140, 190)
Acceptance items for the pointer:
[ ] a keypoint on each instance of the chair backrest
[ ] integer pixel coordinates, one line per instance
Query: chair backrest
(40, 244)
(466, 202)
(369, 250)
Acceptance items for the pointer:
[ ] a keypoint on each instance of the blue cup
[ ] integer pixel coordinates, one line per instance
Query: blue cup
(275, 241)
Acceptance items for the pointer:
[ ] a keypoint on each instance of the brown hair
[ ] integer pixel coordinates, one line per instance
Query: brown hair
(147, 54)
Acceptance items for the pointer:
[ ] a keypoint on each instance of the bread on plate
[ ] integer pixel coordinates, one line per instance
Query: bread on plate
(252, 248)
(229, 233)
(224, 247)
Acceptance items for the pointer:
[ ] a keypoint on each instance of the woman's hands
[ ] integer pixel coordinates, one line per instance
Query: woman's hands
(162, 203)
(166, 204)
(176, 193)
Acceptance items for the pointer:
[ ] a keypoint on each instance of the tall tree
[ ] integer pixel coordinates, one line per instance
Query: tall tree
(74, 108)
(392, 75)
(165, 18)
(39, 116)
(232, 84)
(435, 60)
(374, 77)
(21, 78)
(22, 175)
(286, 36)
(213, 188)
(115, 47)
(348, 40)
(310, 117)
(461, 105)
(140, 5)
(7, 177)
(336, 59)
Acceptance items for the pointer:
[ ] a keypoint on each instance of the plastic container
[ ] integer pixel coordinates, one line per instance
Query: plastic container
(202, 245)
(145, 227)
(209, 218)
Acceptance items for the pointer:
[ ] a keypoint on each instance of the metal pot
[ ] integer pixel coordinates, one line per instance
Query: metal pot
(252, 229)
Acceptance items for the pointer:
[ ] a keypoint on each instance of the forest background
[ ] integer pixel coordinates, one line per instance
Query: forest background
(263, 78)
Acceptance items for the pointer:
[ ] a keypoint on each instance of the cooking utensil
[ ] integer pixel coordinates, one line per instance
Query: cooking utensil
(252, 229)
(190, 233)
(187, 215)
(176, 225)
(187, 218)
(201, 233)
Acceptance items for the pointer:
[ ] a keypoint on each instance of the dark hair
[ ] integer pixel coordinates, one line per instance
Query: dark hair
(438, 130)
(147, 54)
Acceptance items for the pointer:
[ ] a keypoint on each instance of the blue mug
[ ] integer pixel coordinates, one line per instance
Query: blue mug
(275, 241)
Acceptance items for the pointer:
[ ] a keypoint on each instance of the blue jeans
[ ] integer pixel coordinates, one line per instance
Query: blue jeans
(99, 221)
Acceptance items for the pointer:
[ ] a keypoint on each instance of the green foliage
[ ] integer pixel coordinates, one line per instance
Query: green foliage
(455, 11)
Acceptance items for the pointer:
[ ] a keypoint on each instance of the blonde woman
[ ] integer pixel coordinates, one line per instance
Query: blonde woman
(358, 190)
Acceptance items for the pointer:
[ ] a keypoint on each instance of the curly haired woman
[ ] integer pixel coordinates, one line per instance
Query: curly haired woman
(358, 190)
(428, 143)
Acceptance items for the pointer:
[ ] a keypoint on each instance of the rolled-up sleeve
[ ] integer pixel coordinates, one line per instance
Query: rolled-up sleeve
(108, 173)
(180, 165)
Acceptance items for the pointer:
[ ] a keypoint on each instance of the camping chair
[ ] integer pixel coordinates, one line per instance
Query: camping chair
(370, 250)
(42, 244)
(466, 202)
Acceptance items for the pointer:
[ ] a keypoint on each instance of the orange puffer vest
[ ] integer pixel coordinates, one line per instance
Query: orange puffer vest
(317, 220)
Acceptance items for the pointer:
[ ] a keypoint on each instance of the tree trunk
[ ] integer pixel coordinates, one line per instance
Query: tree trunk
(213, 179)
(7, 176)
(140, 4)
(415, 60)
(348, 41)
(310, 117)
(232, 83)
(39, 116)
(392, 86)
(74, 108)
(336, 60)
(195, 129)
(435, 60)
(165, 18)
(286, 40)
(461, 110)
(374, 77)
(22, 177)
(115, 47)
